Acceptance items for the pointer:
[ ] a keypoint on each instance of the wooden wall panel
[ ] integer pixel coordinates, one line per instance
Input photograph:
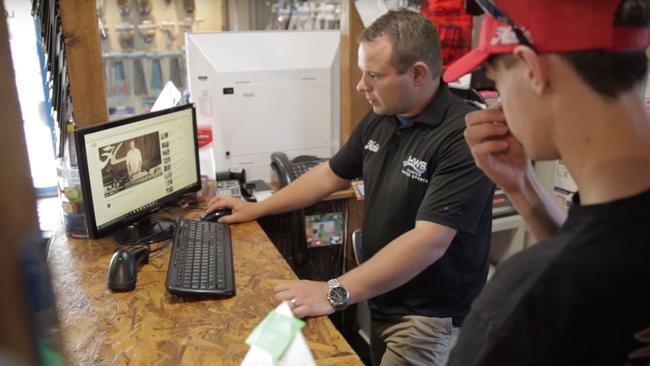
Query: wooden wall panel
(353, 104)
(83, 55)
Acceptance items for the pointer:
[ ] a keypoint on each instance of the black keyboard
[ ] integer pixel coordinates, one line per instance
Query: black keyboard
(201, 260)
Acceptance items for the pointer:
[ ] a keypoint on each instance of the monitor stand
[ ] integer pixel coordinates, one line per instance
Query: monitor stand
(146, 231)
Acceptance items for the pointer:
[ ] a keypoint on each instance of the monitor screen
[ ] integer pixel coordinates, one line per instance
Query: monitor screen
(131, 167)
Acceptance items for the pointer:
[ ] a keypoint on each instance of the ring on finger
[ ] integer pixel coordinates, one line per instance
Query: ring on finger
(293, 302)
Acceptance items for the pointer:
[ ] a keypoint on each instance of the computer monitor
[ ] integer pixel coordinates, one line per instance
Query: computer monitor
(130, 168)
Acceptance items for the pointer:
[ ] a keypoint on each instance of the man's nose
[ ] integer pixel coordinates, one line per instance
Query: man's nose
(362, 86)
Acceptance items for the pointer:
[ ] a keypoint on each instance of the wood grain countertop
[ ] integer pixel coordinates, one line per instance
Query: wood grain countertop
(149, 326)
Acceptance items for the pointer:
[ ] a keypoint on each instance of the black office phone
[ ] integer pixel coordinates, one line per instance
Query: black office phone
(289, 170)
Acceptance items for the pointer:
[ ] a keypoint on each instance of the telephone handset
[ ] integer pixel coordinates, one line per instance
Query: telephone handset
(288, 171)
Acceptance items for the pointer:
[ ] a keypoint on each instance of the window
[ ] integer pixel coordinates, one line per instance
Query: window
(34, 107)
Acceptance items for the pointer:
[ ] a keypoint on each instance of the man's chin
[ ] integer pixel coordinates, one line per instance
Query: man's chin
(379, 111)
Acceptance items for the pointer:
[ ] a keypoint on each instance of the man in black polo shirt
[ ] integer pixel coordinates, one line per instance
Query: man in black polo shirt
(427, 217)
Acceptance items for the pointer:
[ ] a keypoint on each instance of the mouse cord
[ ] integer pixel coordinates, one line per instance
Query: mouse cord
(164, 245)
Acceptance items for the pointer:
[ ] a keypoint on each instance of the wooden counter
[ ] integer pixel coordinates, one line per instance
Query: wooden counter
(149, 326)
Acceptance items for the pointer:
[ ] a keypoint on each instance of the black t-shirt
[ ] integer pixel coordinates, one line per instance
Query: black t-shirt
(424, 171)
(581, 298)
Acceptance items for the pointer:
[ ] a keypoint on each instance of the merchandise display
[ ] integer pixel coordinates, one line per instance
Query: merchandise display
(143, 47)
(143, 41)
(305, 15)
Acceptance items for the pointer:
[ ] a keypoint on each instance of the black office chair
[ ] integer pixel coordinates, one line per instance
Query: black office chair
(357, 242)
(363, 312)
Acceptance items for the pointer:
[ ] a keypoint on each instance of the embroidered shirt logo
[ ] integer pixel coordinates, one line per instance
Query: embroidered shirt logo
(372, 146)
(505, 36)
(414, 168)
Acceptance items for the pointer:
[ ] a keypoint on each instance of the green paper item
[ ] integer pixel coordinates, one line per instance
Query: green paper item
(275, 333)
(72, 193)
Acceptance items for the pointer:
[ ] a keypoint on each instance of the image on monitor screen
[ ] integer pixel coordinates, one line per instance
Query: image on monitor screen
(131, 168)
(131, 162)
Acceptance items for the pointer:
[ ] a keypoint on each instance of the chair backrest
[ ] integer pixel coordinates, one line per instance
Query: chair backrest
(357, 245)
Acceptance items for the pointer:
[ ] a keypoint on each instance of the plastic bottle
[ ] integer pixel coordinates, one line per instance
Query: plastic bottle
(69, 184)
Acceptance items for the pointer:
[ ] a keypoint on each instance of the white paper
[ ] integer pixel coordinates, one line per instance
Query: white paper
(262, 195)
(298, 353)
(169, 97)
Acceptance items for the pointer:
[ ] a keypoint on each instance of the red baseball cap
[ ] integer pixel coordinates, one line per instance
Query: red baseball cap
(550, 26)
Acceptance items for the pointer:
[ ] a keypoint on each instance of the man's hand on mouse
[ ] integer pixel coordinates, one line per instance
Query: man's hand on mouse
(242, 211)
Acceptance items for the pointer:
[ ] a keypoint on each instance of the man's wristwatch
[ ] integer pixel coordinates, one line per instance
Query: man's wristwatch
(337, 295)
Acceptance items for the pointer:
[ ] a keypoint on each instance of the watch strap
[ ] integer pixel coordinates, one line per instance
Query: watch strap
(332, 284)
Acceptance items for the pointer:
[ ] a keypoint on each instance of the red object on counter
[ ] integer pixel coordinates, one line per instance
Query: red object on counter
(204, 134)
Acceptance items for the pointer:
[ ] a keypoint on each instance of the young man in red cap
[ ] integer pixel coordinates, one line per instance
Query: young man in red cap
(568, 73)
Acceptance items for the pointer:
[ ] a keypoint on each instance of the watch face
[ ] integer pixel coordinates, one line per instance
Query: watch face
(338, 295)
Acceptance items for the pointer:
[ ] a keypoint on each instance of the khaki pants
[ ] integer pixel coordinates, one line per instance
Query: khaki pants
(412, 340)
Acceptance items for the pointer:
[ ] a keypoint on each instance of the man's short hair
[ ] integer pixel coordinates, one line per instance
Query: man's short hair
(413, 38)
(608, 73)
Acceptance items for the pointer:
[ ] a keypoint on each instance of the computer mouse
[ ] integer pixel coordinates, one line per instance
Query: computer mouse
(123, 268)
(216, 215)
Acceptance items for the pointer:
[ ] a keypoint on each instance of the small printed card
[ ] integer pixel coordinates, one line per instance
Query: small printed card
(325, 229)
(357, 187)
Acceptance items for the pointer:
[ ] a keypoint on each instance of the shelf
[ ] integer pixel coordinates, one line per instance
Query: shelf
(507, 222)
(508, 237)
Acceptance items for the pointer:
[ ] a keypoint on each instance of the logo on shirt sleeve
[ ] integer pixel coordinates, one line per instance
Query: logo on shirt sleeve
(414, 168)
(372, 145)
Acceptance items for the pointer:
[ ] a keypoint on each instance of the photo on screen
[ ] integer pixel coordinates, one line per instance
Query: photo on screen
(130, 162)
(325, 229)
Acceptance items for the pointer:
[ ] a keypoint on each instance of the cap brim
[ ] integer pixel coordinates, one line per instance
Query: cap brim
(465, 64)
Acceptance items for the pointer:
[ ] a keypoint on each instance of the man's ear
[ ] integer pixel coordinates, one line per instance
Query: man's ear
(535, 68)
(421, 72)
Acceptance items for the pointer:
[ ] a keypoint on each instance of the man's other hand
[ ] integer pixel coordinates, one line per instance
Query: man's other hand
(305, 298)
